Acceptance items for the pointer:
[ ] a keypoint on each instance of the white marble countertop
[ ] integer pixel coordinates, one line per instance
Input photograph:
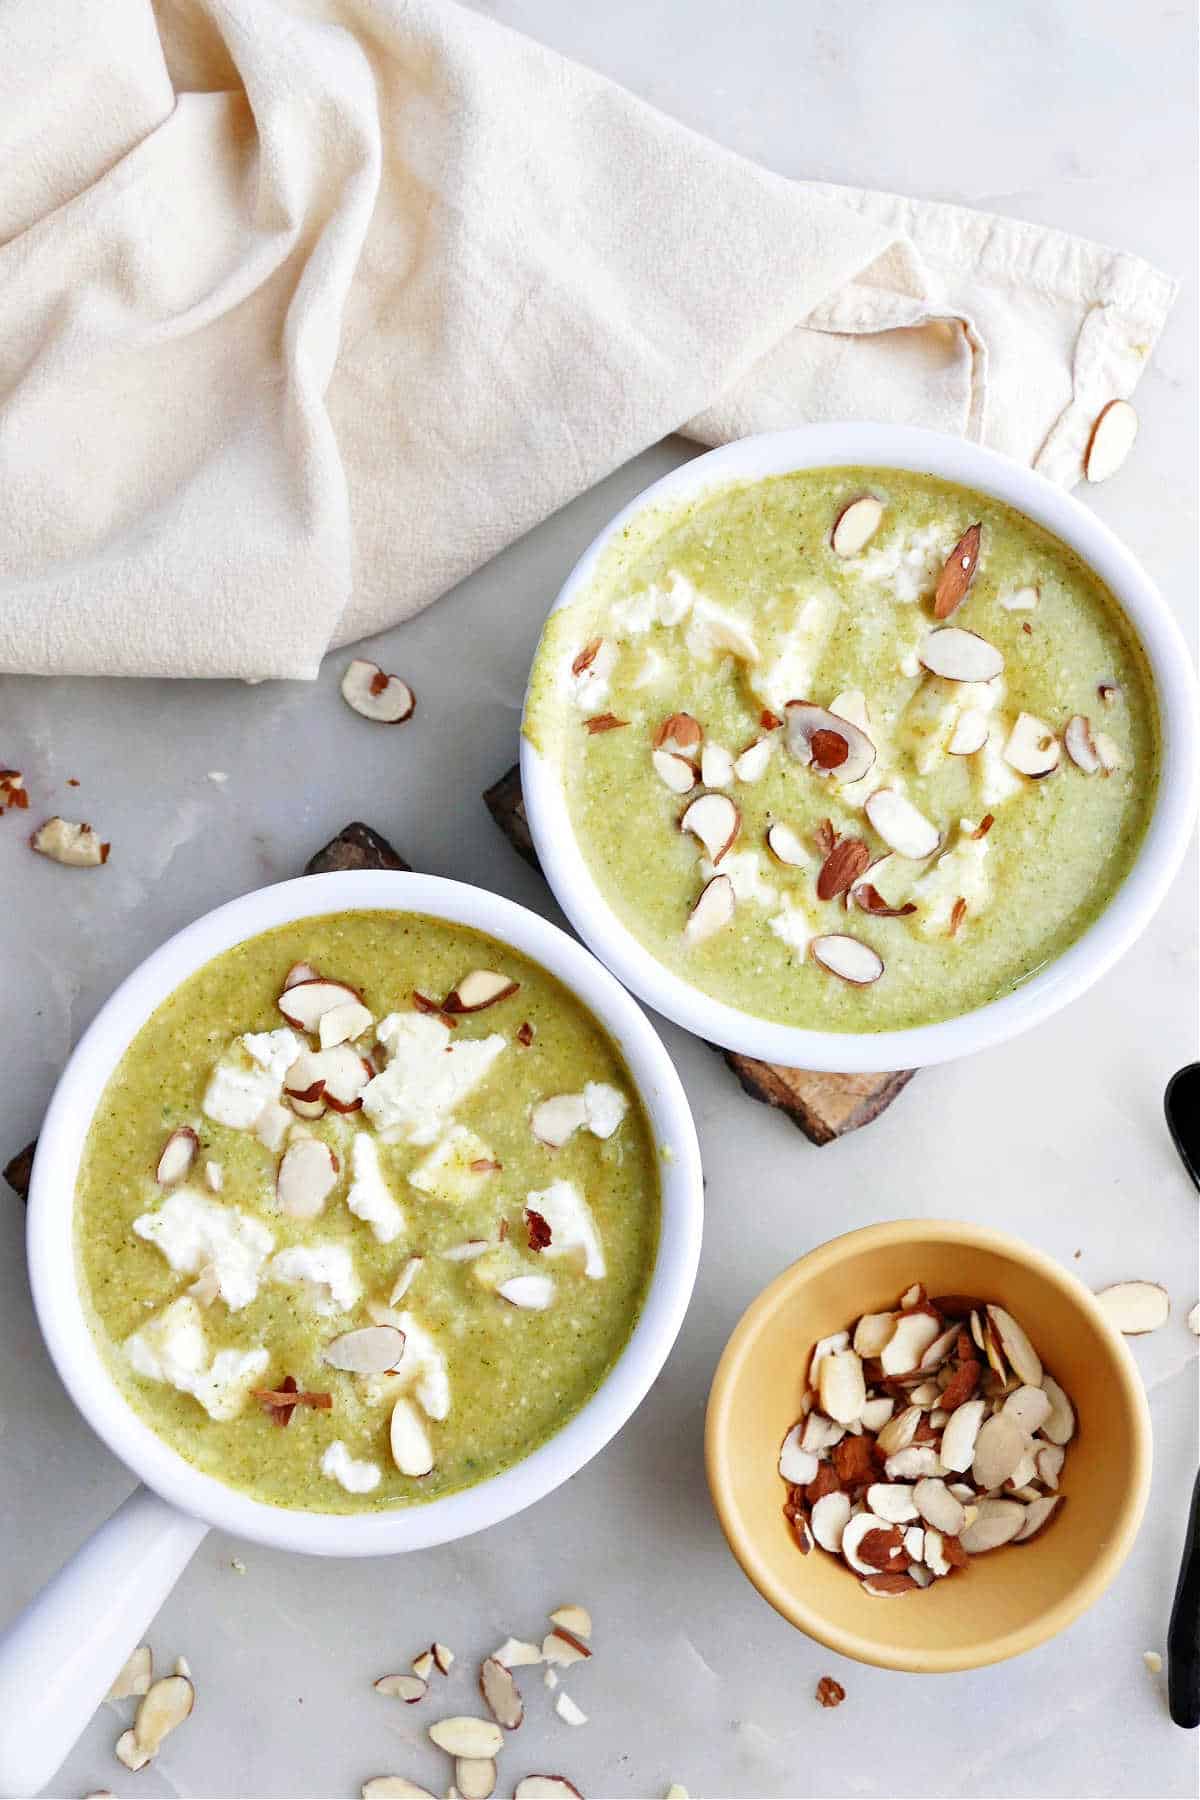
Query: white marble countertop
(1077, 113)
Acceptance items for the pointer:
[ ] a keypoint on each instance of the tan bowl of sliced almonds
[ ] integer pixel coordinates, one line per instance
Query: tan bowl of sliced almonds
(927, 1446)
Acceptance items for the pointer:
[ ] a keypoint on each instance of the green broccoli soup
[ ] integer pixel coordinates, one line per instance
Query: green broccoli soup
(851, 749)
(366, 1213)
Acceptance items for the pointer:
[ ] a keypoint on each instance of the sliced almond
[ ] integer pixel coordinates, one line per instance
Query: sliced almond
(1111, 440)
(856, 525)
(914, 1463)
(940, 1349)
(1038, 1513)
(304, 1003)
(829, 1518)
(1016, 1346)
(475, 1777)
(681, 732)
(960, 1435)
(466, 1251)
(468, 1737)
(898, 1433)
(574, 1618)
(998, 1451)
(308, 1172)
(165, 1705)
(1048, 1462)
(970, 733)
(516, 1653)
(561, 1647)
(751, 765)
(848, 958)
(902, 827)
(796, 1464)
(716, 766)
(1028, 1408)
(394, 1787)
(826, 743)
(412, 1452)
(529, 1293)
(556, 1119)
(423, 1664)
(958, 655)
(997, 1522)
(787, 846)
(1193, 1320)
(601, 722)
(384, 699)
(1135, 1307)
(847, 861)
(676, 772)
(501, 1693)
(409, 1688)
(134, 1675)
(820, 1433)
(75, 846)
(371, 1350)
(443, 1656)
(130, 1752)
(342, 1024)
(873, 1331)
(859, 1526)
(876, 1413)
(716, 821)
(480, 989)
(177, 1156)
(405, 1279)
(300, 971)
(1080, 746)
(568, 1711)
(891, 1500)
(841, 1386)
(888, 1586)
(1032, 748)
(1109, 752)
(546, 1787)
(712, 911)
(938, 1506)
(912, 1337)
(958, 573)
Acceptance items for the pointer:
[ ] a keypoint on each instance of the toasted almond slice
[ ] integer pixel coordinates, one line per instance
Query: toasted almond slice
(574, 1617)
(304, 1003)
(554, 1120)
(712, 911)
(856, 525)
(675, 771)
(914, 1333)
(412, 1452)
(997, 1522)
(901, 826)
(829, 1518)
(546, 1787)
(129, 1752)
(475, 1777)
(873, 1331)
(751, 765)
(165, 1704)
(958, 655)
(134, 1675)
(848, 860)
(958, 573)
(826, 743)
(529, 1293)
(716, 821)
(371, 1350)
(1023, 599)
(841, 1386)
(1026, 1362)
(1080, 746)
(515, 1653)
(409, 1688)
(888, 1586)
(787, 846)
(393, 1787)
(898, 1433)
(960, 1435)
(797, 1465)
(848, 958)
(405, 1279)
(925, 1393)
(940, 1349)
(1038, 1513)
(680, 732)
(1135, 1307)
(177, 1156)
(826, 1346)
(501, 1693)
(1111, 440)
(562, 1648)
(938, 1506)
(1032, 748)
(820, 1433)
(876, 1413)
(480, 989)
(891, 1500)
(914, 1463)
(1109, 752)
(970, 733)
(75, 846)
(716, 766)
(342, 1024)
(568, 1712)
(1028, 1408)
(307, 1175)
(384, 699)
(423, 1664)
(999, 1449)
(853, 1533)
(469, 1737)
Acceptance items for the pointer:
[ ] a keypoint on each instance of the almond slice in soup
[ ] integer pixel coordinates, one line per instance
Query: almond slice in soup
(716, 821)
(712, 911)
(304, 1002)
(1031, 747)
(787, 846)
(1080, 746)
(856, 525)
(480, 989)
(848, 958)
(371, 1350)
(410, 1446)
(970, 733)
(675, 772)
(958, 655)
(958, 573)
(177, 1156)
(826, 743)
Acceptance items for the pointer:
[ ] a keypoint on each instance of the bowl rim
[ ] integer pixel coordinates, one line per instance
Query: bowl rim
(1087, 959)
(57, 1293)
(722, 1397)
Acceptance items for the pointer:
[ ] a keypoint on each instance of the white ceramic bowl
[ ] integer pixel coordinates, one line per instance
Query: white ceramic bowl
(1125, 917)
(52, 1671)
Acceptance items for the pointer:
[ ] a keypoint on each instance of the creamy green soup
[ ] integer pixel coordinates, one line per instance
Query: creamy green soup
(936, 749)
(476, 1190)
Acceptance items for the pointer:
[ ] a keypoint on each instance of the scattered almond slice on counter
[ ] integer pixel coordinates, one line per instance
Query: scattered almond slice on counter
(856, 525)
(958, 655)
(550, 1679)
(902, 827)
(468, 1737)
(562, 1648)
(1153, 1661)
(307, 1175)
(443, 1656)
(164, 1706)
(129, 1752)
(1111, 441)
(423, 1664)
(134, 1675)
(575, 1618)
(676, 1792)
(826, 743)
(475, 1777)
(1193, 1319)
(393, 1787)
(712, 911)
(12, 790)
(75, 846)
(517, 1653)
(410, 1446)
(848, 958)
(546, 1787)
(384, 699)
(177, 1156)
(371, 1350)
(1031, 747)
(568, 1711)
(409, 1688)
(716, 821)
(1135, 1307)
(957, 573)
(501, 1693)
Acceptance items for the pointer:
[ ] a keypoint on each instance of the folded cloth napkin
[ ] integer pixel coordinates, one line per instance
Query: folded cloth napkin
(308, 307)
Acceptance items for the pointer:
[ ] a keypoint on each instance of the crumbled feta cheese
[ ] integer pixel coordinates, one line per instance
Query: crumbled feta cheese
(1022, 599)
(714, 631)
(793, 925)
(274, 1051)
(995, 780)
(326, 1270)
(744, 869)
(958, 872)
(340, 1466)
(572, 1227)
(370, 1198)
(909, 568)
(214, 1174)
(928, 721)
(426, 1076)
(193, 1231)
(273, 1124)
(604, 1106)
(446, 1173)
(423, 1368)
(172, 1348)
(653, 670)
(589, 687)
(236, 1094)
(789, 676)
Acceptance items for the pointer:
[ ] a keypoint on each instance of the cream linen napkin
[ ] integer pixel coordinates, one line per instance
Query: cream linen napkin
(307, 307)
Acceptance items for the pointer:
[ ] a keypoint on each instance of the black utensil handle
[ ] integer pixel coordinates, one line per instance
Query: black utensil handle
(1183, 1634)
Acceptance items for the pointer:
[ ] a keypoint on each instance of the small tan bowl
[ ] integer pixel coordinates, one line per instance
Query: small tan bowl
(1008, 1600)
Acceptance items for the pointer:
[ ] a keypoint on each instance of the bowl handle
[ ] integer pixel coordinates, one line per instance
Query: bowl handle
(60, 1656)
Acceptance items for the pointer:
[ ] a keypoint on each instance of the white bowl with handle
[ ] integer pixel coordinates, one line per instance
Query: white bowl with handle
(1083, 962)
(58, 1658)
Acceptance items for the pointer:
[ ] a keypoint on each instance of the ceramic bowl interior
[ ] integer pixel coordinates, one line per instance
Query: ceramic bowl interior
(1008, 1600)
(1063, 980)
(51, 1207)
